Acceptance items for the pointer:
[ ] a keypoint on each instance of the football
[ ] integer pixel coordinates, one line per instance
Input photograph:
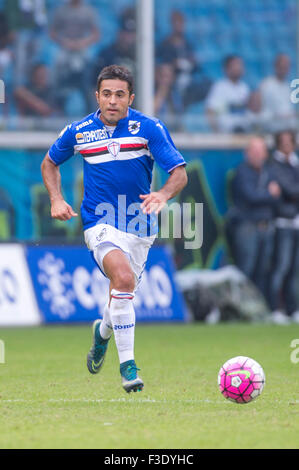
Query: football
(241, 379)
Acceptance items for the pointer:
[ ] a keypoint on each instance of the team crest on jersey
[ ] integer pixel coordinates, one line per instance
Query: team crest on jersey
(113, 148)
(134, 127)
(80, 138)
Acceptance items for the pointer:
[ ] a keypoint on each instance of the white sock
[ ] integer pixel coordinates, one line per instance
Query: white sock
(122, 315)
(106, 327)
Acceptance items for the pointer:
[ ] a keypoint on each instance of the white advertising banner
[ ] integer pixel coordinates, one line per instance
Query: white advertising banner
(18, 305)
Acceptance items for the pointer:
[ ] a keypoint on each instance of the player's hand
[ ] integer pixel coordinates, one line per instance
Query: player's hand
(153, 202)
(61, 210)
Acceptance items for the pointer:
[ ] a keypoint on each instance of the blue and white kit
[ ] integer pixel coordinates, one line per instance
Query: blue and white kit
(118, 168)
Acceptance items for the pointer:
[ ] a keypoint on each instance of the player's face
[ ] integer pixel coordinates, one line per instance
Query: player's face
(113, 98)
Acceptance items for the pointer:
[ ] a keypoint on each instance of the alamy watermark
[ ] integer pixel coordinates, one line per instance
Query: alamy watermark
(295, 93)
(183, 220)
(294, 357)
(2, 352)
(2, 92)
(176, 220)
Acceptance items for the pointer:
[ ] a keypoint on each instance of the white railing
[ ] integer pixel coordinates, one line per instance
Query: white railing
(189, 141)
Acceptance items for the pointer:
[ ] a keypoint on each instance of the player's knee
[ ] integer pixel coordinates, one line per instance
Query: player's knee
(124, 281)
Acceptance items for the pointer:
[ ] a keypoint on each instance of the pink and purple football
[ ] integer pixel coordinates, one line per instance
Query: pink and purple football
(241, 379)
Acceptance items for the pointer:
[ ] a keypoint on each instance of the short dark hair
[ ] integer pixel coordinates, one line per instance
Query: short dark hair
(113, 72)
(278, 135)
(230, 58)
(36, 66)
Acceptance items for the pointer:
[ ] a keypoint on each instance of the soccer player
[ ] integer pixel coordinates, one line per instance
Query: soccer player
(119, 146)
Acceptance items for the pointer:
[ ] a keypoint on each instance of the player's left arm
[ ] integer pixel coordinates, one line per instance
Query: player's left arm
(156, 200)
(170, 160)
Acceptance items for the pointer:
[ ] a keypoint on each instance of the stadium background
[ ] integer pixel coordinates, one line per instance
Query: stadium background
(212, 31)
(46, 275)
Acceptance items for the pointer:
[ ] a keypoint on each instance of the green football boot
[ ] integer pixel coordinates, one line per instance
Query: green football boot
(96, 355)
(130, 380)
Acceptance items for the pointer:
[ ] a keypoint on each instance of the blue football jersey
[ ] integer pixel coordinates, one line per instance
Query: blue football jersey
(118, 168)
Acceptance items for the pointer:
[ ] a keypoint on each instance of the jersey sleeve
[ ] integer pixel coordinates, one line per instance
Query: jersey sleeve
(63, 148)
(163, 149)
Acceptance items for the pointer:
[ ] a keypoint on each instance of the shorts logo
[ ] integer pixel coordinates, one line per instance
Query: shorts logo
(101, 235)
(80, 138)
(113, 148)
(134, 127)
(123, 327)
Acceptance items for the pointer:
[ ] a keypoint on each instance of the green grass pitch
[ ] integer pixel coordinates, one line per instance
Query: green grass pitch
(49, 400)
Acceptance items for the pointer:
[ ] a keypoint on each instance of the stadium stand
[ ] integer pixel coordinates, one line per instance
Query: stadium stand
(214, 29)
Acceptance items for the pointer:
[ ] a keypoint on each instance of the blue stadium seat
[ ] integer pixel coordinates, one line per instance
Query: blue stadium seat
(194, 119)
(208, 52)
(213, 68)
(75, 105)
(215, 28)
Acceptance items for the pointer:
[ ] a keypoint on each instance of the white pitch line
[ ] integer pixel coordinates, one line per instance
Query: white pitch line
(104, 400)
(133, 400)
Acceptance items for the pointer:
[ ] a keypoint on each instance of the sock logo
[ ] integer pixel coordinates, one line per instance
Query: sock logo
(123, 327)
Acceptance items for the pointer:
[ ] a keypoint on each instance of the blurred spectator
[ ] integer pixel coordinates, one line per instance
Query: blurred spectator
(6, 60)
(254, 118)
(189, 85)
(123, 50)
(165, 96)
(255, 195)
(227, 100)
(74, 29)
(283, 280)
(275, 93)
(5, 45)
(39, 97)
(27, 20)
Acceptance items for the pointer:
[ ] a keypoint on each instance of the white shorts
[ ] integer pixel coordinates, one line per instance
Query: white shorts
(102, 238)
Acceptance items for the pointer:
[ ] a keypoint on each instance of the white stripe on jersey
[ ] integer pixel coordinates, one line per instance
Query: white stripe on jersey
(121, 156)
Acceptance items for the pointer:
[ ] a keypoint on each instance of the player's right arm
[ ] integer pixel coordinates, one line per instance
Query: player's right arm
(61, 150)
(60, 209)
